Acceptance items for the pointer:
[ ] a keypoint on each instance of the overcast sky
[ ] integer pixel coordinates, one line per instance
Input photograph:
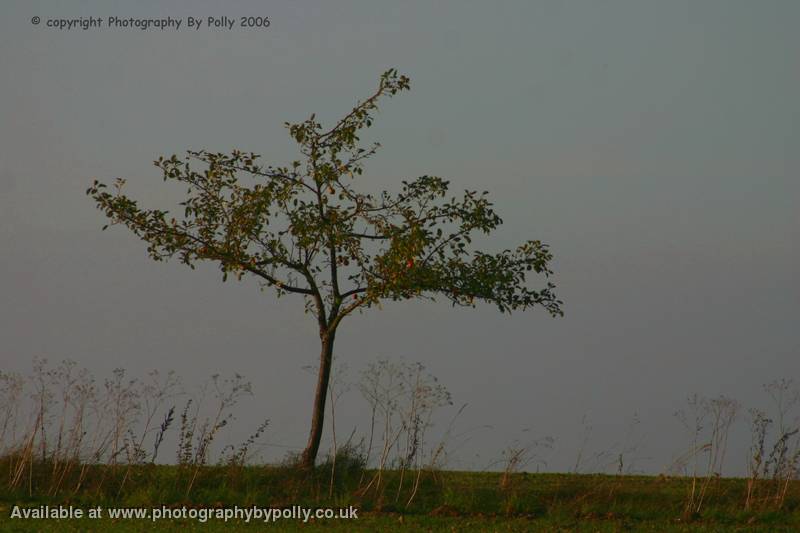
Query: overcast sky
(654, 145)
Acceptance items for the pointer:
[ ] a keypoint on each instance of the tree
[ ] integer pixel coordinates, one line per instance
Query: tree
(306, 229)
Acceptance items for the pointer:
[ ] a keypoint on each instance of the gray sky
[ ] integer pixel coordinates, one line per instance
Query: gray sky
(654, 145)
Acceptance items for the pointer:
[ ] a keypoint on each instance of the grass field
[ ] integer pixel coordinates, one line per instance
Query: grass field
(444, 501)
(381, 523)
(91, 450)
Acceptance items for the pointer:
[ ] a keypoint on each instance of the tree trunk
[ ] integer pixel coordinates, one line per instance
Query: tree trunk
(309, 456)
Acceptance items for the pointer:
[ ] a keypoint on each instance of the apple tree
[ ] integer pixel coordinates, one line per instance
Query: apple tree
(306, 229)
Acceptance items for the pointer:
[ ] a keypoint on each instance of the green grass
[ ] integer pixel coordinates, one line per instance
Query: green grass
(380, 523)
(445, 501)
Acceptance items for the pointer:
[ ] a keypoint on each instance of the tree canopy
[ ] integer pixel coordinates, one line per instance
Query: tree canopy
(305, 228)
